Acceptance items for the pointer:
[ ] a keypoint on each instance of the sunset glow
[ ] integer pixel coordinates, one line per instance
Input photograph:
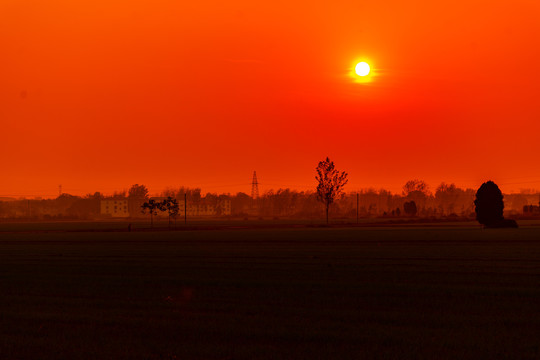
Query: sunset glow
(98, 95)
(240, 179)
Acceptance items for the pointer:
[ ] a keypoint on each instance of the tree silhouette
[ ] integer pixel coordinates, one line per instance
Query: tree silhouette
(409, 208)
(489, 206)
(137, 195)
(447, 197)
(171, 206)
(138, 192)
(152, 207)
(417, 191)
(331, 183)
(415, 185)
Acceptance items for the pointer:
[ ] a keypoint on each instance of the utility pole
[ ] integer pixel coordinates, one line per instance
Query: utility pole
(357, 207)
(185, 208)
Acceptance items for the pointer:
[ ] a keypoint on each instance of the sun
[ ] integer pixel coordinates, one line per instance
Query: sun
(362, 69)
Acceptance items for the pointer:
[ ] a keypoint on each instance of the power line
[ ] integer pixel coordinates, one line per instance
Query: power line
(522, 182)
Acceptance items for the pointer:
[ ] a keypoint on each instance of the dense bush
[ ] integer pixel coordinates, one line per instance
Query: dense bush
(489, 206)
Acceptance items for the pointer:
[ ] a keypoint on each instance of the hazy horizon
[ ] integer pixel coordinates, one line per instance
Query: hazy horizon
(97, 95)
(241, 188)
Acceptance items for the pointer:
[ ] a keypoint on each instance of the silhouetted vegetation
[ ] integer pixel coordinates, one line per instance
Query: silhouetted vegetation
(448, 202)
(152, 207)
(330, 183)
(137, 195)
(489, 206)
(171, 206)
(138, 192)
(410, 208)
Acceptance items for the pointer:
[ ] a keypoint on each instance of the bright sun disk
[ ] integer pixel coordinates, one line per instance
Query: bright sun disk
(362, 69)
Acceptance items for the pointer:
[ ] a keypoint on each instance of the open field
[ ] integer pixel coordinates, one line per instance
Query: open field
(448, 291)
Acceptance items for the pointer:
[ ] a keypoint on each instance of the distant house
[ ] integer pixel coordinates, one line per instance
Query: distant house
(115, 208)
(223, 207)
(121, 208)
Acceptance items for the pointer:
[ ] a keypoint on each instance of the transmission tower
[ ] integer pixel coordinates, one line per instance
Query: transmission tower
(254, 186)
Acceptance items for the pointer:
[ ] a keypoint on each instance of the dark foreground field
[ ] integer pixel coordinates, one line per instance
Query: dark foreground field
(340, 293)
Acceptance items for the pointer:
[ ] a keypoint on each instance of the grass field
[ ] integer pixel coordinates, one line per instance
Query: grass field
(308, 293)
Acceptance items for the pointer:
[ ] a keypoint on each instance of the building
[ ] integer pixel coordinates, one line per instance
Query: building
(125, 208)
(223, 207)
(115, 208)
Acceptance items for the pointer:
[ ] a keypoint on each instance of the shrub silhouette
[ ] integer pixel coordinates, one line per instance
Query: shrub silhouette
(489, 204)
(489, 207)
(409, 208)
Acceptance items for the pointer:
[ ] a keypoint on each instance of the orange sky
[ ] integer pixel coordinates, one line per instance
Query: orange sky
(98, 95)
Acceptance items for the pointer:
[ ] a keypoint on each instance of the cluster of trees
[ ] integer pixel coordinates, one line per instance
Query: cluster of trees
(169, 205)
(65, 206)
(445, 201)
(448, 200)
(415, 194)
(328, 198)
(489, 204)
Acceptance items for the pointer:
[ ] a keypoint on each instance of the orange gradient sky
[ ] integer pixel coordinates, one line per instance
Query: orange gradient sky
(98, 95)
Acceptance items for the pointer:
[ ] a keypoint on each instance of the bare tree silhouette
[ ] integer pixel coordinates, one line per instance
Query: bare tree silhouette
(415, 185)
(331, 183)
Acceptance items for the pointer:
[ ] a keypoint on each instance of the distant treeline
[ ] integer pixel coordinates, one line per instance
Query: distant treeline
(416, 199)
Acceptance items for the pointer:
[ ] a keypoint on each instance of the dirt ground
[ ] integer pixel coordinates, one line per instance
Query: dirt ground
(449, 291)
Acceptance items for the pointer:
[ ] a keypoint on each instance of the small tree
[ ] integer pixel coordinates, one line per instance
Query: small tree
(171, 206)
(331, 183)
(409, 208)
(152, 207)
